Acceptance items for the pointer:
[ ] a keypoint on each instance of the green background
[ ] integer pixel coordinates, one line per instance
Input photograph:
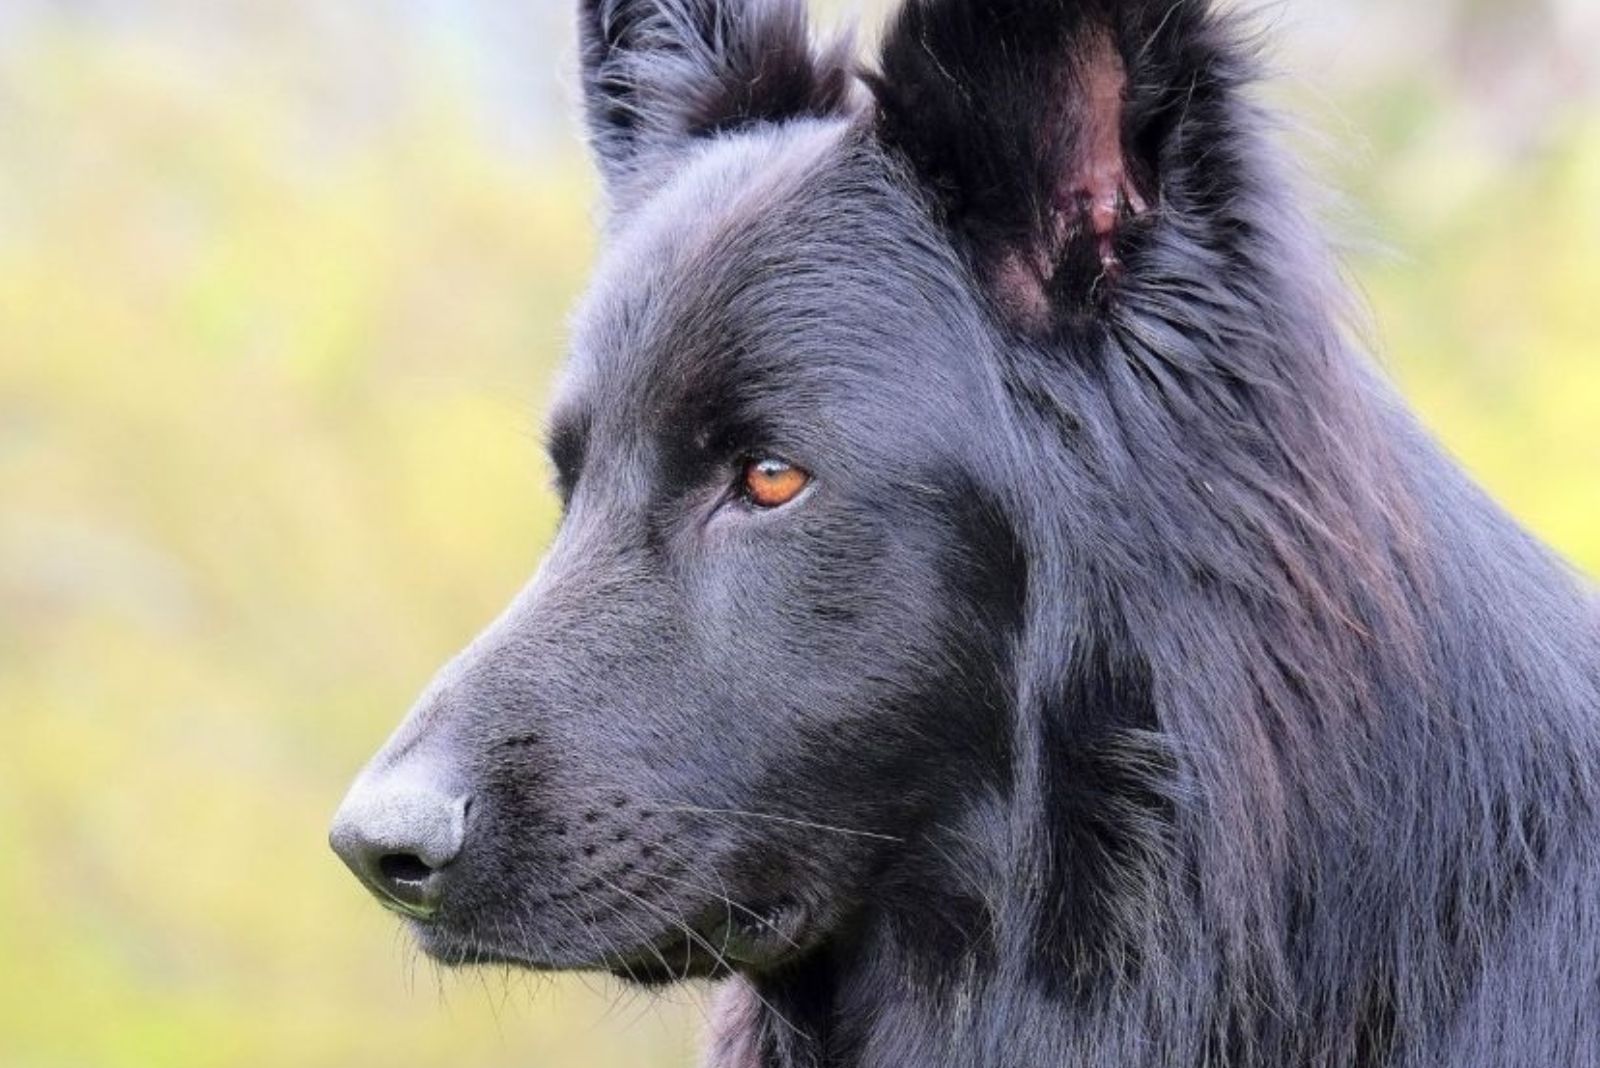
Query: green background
(282, 288)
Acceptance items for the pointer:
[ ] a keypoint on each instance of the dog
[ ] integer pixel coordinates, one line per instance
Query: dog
(1000, 617)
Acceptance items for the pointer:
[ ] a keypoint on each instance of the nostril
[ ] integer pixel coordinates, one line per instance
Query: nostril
(398, 838)
(403, 868)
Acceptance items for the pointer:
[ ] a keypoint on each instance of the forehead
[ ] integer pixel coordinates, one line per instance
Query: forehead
(769, 263)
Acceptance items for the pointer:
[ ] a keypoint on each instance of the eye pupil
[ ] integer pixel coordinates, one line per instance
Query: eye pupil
(772, 483)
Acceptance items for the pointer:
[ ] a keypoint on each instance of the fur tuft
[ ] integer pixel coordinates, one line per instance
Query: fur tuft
(658, 74)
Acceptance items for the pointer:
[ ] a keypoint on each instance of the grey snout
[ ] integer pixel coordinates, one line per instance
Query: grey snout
(399, 835)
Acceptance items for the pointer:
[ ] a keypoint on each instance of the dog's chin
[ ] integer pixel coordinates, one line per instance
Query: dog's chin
(670, 960)
(456, 949)
(715, 948)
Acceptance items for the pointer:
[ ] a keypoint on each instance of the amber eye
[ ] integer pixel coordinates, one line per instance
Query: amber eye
(772, 483)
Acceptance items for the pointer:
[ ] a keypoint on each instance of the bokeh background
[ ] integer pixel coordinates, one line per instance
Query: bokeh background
(282, 287)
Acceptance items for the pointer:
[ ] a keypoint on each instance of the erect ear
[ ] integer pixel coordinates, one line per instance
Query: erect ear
(1045, 129)
(659, 73)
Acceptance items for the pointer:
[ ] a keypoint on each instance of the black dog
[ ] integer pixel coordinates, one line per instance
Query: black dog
(999, 619)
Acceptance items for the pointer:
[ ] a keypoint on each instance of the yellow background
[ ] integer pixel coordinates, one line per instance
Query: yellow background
(282, 288)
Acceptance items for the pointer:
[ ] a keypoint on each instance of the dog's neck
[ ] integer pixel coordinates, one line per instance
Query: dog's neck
(882, 998)
(858, 1013)
(835, 1012)
(1011, 935)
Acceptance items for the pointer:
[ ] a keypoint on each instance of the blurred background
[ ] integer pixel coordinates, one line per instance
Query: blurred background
(282, 287)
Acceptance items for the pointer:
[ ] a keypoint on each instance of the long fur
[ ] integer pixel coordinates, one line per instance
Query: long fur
(1309, 726)
(1141, 686)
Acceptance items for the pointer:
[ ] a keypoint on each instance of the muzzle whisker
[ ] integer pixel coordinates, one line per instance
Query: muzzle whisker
(603, 952)
(809, 825)
(697, 938)
(643, 935)
(726, 900)
(692, 936)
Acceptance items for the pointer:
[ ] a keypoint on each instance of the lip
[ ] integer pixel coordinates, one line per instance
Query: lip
(678, 959)
(721, 943)
(672, 960)
(421, 910)
(457, 950)
(760, 938)
(713, 948)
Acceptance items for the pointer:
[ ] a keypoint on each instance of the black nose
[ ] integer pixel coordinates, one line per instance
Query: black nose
(399, 838)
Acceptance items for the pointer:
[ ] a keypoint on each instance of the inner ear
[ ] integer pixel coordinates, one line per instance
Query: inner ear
(1092, 189)
(1097, 187)
(1030, 122)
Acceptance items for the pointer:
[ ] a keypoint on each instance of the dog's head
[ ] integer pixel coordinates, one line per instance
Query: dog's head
(769, 651)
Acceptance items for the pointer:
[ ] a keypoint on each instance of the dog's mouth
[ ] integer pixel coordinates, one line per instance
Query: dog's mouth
(722, 942)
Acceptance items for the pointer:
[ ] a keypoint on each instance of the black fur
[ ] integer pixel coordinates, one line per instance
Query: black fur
(1135, 684)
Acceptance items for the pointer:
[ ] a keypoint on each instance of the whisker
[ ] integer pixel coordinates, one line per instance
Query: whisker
(726, 900)
(488, 994)
(806, 824)
(616, 1006)
(695, 936)
(643, 935)
(602, 951)
(603, 948)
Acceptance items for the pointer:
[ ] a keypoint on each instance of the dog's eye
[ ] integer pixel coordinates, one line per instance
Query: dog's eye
(773, 483)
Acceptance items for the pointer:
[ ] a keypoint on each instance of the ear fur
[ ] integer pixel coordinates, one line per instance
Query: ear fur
(1046, 129)
(659, 73)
